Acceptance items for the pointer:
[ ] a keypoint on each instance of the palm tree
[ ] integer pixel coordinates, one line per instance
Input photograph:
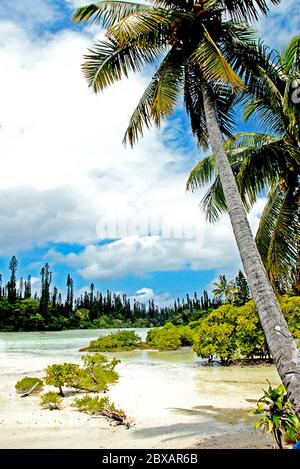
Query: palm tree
(262, 161)
(196, 39)
(223, 287)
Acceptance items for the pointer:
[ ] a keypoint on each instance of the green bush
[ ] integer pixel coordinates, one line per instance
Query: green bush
(26, 384)
(230, 332)
(121, 340)
(62, 374)
(186, 335)
(51, 400)
(101, 406)
(290, 306)
(165, 338)
(215, 340)
(97, 373)
(278, 416)
(91, 405)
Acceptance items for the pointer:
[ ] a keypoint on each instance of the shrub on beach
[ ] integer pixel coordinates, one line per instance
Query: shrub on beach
(121, 340)
(101, 406)
(51, 400)
(28, 384)
(165, 338)
(63, 374)
(97, 373)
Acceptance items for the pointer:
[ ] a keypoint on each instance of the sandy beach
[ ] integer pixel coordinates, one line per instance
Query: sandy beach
(173, 402)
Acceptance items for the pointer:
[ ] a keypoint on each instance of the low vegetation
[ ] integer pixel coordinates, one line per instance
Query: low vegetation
(101, 406)
(170, 337)
(63, 374)
(51, 400)
(277, 417)
(228, 334)
(114, 342)
(29, 385)
(94, 376)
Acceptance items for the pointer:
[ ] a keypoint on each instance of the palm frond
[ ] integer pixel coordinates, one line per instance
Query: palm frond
(278, 232)
(247, 140)
(290, 57)
(108, 12)
(160, 97)
(248, 10)
(264, 166)
(141, 23)
(213, 202)
(224, 101)
(108, 62)
(213, 63)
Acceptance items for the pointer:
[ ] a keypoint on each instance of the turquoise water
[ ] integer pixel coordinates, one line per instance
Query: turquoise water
(172, 396)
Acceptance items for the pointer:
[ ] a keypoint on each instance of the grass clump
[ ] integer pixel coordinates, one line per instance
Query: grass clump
(101, 406)
(51, 400)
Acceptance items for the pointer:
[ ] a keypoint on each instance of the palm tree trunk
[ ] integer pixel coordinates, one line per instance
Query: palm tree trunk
(278, 336)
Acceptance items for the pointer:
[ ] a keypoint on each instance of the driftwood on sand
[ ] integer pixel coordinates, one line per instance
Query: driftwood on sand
(27, 393)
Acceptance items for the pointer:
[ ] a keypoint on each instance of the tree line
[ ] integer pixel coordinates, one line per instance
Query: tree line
(50, 309)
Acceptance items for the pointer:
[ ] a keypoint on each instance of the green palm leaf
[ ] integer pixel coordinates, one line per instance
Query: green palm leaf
(290, 58)
(247, 9)
(108, 62)
(213, 63)
(278, 233)
(160, 96)
(108, 12)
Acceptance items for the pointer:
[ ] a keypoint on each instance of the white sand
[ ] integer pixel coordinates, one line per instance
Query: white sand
(170, 410)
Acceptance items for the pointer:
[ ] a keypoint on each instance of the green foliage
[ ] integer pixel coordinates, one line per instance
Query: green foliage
(186, 336)
(51, 400)
(278, 416)
(215, 340)
(97, 373)
(82, 314)
(62, 374)
(121, 340)
(91, 405)
(225, 288)
(290, 306)
(230, 332)
(27, 383)
(242, 294)
(166, 338)
(101, 406)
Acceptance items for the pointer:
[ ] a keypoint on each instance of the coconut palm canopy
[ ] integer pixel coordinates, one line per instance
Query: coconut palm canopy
(261, 161)
(188, 35)
(206, 48)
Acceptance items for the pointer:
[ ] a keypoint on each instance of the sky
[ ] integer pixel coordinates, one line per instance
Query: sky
(66, 178)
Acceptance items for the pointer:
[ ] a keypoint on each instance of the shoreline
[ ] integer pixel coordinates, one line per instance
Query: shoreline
(174, 401)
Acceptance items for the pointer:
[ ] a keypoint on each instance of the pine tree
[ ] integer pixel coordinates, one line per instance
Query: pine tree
(46, 278)
(54, 298)
(27, 290)
(243, 292)
(21, 288)
(70, 295)
(12, 284)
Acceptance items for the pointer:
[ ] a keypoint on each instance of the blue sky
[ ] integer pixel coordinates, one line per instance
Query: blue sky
(65, 174)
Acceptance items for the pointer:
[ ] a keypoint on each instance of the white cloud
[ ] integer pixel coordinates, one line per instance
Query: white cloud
(64, 169)
(281, 24)
(30, 13)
